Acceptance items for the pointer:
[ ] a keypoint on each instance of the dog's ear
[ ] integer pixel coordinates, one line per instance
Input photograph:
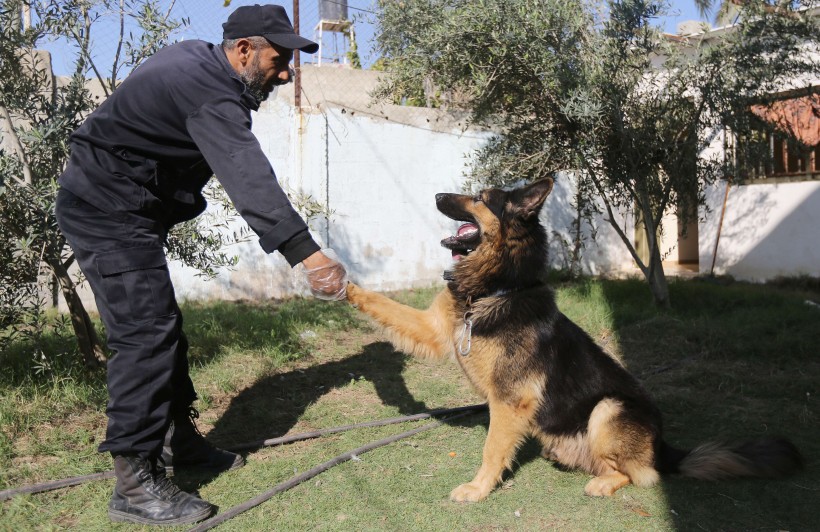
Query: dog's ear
(531, 197)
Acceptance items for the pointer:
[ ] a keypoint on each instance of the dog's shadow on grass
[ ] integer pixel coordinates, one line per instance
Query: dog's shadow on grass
(274, 404)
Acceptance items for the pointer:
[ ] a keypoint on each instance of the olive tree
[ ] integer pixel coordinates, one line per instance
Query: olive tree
(38, 112)
(599, 91)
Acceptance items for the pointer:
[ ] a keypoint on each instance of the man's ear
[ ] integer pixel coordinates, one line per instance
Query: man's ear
(244, 50)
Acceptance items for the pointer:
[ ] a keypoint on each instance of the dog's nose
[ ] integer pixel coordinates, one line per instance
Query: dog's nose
(440, 196)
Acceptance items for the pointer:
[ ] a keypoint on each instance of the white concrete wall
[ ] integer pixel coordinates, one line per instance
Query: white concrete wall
(603, 250)
(377, 176)
(769, 230)
(380, 177)
(378, 168)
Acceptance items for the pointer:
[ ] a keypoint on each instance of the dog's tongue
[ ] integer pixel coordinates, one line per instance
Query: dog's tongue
(464, 229)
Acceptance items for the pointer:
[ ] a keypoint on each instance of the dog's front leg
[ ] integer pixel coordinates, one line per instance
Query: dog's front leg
(425, 333)
(509, 425)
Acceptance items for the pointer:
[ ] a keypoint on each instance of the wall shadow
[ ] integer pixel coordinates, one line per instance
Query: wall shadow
(791, 246)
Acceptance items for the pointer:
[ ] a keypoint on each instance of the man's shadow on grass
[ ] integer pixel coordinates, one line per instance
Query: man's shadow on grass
(274, 404)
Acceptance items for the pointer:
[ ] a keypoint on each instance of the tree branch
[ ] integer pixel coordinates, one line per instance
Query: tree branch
(83, 43)
(612, 222)
(17, 146)
(115, 65)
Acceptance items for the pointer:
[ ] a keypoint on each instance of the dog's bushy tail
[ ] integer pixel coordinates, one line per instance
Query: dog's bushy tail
(763, 457)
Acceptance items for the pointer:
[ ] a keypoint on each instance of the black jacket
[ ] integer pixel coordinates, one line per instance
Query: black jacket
(180, 117)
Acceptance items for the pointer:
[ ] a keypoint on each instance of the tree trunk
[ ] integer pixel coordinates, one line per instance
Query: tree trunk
(87, 340)
(578, 240)
(655, 275)
(657, 279)
(55, 292)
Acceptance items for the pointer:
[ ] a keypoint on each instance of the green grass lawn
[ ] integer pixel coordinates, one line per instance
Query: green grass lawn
(729, 361)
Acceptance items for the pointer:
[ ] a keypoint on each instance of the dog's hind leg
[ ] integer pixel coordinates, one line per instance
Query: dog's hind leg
(619, 476)
(509, 425)
(607, 484)
(622, 450)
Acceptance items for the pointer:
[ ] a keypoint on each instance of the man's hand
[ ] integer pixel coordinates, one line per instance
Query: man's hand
(326, 277)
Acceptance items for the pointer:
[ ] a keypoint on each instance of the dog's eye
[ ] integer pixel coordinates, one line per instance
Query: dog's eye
(477, 199)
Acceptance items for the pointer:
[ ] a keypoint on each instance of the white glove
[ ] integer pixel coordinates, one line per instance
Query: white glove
(324, 275)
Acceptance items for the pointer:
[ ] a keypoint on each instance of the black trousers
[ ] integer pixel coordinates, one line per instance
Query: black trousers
(123, 260)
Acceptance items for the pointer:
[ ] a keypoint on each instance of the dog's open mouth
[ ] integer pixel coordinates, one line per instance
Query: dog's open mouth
(464, 241)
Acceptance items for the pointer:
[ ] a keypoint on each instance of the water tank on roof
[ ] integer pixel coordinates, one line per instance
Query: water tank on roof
(332, 9)
(692, 27)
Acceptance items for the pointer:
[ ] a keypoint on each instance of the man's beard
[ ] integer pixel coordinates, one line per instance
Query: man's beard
(254, 80)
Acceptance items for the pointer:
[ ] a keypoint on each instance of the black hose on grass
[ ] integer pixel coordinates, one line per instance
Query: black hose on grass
(367, 424)
(74, 481)
(54, 484)
(307, 475)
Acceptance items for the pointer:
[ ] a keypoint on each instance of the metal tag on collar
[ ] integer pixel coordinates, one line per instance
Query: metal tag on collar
(466, 336)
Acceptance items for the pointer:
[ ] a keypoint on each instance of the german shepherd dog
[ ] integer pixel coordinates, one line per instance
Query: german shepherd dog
(541, 375)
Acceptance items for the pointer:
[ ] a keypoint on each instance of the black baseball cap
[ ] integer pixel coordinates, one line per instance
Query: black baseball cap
(271, 22)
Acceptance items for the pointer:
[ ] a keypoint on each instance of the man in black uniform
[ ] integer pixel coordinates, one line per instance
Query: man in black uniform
(138, 165)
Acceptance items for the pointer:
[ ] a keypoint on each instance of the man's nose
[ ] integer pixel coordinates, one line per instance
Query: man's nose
(287, 75)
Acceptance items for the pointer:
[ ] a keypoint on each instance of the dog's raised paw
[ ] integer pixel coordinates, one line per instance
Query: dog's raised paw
(468, 492)
(353, 293)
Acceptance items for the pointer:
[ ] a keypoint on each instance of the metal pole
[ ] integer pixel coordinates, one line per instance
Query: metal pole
(720, 226)
(297, 78)
(26, 12)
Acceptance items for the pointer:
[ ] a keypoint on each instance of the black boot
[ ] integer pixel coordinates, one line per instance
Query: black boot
(186, 447)
(144, 495)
